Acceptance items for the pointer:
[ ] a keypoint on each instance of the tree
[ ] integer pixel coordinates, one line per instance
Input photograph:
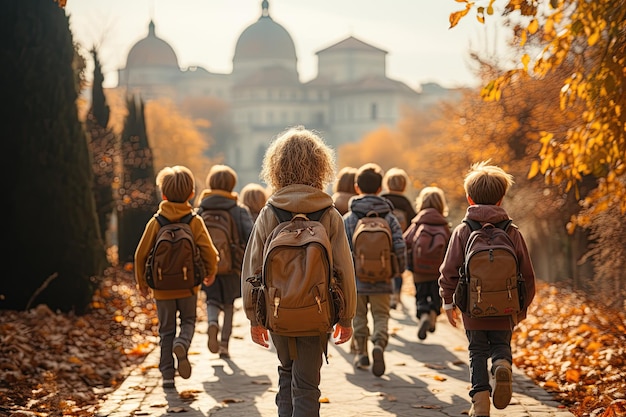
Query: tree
(103, 145)
(589, 38)
(51, 220)
(137, 193)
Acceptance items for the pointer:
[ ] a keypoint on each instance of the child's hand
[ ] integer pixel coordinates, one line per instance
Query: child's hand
(209, 280)
(342, 334)
(144, 291)
(452, 316)
(260, 335)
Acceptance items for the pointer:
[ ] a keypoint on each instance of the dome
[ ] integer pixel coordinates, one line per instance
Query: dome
(152, 51)
(265, 39)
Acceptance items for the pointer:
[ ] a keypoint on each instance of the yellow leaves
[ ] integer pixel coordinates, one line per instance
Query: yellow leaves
(455, 17)
(525, 61)
(533, 26)
(534, 169)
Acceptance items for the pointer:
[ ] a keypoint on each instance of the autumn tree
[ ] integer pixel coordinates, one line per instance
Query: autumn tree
(103, 146)
(175, 139)
(55, 243)
(137, 194)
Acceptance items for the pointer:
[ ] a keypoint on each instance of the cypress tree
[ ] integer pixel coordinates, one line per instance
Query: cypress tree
(138, 199)
(103, 146)
(53, 246)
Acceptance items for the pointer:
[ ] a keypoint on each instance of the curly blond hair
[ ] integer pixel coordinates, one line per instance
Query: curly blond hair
(298, 156)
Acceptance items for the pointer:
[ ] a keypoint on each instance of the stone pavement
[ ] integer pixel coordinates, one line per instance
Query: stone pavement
(423, 378)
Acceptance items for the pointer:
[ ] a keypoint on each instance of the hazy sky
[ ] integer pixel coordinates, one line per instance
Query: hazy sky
(415, 33)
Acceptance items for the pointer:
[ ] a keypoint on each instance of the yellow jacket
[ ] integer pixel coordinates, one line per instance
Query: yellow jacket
(173, 212)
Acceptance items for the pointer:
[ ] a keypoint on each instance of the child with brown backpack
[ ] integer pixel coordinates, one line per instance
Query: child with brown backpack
(174, 279)
(229, 223)
(488, 327)
(299, 318)
(379, 254)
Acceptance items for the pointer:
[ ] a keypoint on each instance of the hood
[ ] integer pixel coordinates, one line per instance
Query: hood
(217, 199)
(363, 204)
(298, 198)
(429, 216)
(486, 213)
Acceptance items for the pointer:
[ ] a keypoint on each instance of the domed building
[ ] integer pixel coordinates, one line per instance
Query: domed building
(350, 96)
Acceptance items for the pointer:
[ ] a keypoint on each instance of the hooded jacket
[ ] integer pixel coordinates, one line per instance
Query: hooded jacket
(299, 198)
(425, 216)
(174, 212)
(449, 271)
(359, 207)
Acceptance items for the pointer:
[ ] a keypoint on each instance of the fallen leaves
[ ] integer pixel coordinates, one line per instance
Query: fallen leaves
(574, 349)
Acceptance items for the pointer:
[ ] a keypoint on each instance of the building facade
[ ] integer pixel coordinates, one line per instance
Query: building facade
(350, 96)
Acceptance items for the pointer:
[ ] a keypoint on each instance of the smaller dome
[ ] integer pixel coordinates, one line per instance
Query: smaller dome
(152, 51)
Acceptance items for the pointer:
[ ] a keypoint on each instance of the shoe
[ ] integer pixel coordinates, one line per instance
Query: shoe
(213, 344)
(502, 384)
(433, 321)
(168, 384)
(480, 405)
(223, 351)
(424, 326)
(361, 361)
(184, 367)
(378, 365)
(393, 301)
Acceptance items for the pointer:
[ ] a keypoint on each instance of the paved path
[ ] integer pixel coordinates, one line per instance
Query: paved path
(423, 378)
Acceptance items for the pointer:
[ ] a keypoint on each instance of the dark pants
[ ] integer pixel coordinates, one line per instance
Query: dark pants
(485, 344)
(427, 297)
(168, 313)
(298, 380)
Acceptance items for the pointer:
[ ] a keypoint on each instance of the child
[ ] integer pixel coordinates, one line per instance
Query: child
(298, 166)
(343, 189)
(395, 182)
(253, 196)
(177, 188)
(372, 296)
(220, 296)
(432, 210)
(485, 187)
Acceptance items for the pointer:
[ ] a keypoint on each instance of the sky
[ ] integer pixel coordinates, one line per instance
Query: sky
(421, 47)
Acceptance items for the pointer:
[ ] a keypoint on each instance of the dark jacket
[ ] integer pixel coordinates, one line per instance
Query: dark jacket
(400, 201)
(361, 205)
(449, 275)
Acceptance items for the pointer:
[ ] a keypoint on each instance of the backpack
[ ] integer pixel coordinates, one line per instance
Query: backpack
(296, 294)
(428, 244)
(490, 283)
(174, 261)
(225, 236)
(402, 218)
(372, 249)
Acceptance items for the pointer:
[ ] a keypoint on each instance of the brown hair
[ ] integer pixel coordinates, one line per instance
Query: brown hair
(254, 197)
(486, 184)
(396, 179)
(345, 180)
(298, 156)
(432, 197)
(369, 178)
(221, 177)
(176, 183)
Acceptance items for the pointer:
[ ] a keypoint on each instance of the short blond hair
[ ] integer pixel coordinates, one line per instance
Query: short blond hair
(221, 177)
(298, 156)
(487, 184)
(176, 183)
(396, 179)
(432, 197)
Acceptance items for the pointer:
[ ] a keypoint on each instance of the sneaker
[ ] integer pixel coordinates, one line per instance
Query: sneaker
(168, 384)
(378, 366)
(423, 326)
(361, 361)
(502, 384)
(213, 344)
(184, 367)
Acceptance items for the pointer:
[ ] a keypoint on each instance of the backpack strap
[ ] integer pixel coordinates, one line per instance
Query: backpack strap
(164, 220)
(285, 215)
